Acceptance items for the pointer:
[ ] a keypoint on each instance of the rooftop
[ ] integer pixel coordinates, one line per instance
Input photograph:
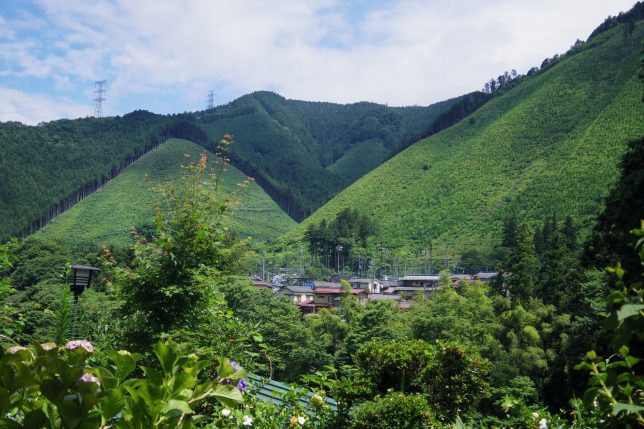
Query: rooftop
(420, 278)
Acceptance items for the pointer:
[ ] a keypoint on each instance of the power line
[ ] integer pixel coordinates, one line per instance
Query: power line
(211, 100)
(99, 90)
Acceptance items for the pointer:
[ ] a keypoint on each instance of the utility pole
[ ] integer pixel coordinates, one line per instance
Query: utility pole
(338, 249)
(211, 100)
(263, 266)
(99, 90)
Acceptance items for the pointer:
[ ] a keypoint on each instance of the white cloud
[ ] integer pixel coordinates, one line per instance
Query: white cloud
(413, 52)
(34, 108)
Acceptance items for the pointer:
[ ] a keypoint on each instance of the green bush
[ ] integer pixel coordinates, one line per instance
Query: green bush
(394, 411)
(53, 387)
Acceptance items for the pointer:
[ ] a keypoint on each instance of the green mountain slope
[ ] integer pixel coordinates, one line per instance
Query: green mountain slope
(302, 153)
(108, 215)
(46, 168)
(550, 144)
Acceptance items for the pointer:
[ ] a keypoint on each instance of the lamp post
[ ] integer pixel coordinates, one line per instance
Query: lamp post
(338, 249)
(80, 281)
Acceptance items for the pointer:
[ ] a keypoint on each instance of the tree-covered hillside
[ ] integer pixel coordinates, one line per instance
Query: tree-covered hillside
(302, 153)
(550, 144)
(107, 216)
(47, 168)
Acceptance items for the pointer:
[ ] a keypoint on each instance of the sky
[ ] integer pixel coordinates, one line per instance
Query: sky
(164, 56)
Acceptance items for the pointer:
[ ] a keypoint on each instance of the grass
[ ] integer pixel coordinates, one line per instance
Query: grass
(108, 215)
(551, 144)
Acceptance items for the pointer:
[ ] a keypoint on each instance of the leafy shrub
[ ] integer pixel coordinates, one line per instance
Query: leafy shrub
(395, 410)
(616, 382)
(52, 387)
(454, 379)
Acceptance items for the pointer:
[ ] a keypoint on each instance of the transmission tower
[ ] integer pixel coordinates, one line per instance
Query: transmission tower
(211, 100)
(99, 90)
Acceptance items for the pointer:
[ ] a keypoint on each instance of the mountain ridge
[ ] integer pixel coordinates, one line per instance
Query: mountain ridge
(531, 151)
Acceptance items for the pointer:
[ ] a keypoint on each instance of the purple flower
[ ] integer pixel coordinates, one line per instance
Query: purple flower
(242, 385)
(235, 365)
(89, 378)
(72, 345)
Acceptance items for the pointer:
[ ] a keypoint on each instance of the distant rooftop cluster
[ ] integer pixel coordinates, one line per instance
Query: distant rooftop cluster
(311, 295)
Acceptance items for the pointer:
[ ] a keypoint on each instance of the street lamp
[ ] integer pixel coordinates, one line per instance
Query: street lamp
(80, 281)
(338, 249)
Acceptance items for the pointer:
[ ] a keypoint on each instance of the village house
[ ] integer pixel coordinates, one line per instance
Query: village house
(369, 285)
(297, 294)
(419, 281)
(332, 296)
(260, 284)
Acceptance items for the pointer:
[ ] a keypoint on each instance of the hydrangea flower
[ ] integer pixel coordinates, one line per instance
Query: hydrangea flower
(84, 344)
(247, 421)
(89, 378)
(242, 385)
(15, 349)
(225, 412)
(235, 365)
(543, 424)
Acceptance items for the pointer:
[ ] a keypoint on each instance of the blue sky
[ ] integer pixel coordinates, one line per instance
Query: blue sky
(165, 56)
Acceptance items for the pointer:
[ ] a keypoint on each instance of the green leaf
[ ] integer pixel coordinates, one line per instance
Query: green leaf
(111, 404)
(629, 310)
(627, 408)
(125, 363)
(35, 419)
(228, 395)
(174, 405)
(53, 390)
(5, 402)
(166, 355)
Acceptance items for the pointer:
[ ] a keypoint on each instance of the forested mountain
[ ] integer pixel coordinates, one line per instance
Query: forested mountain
(46, 169)
(128, 201)
(549, 144)
(303, 153)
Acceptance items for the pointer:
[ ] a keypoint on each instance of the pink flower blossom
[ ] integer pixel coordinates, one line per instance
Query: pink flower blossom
(89, 348)
(15, 349)
(89, 378)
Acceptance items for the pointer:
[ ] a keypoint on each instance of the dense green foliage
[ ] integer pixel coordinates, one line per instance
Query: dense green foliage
(610, 239)
(550, 144)
(346, 234)
(470, 355)
(109, 215)
(52, 387)
(303, 153)
(616, 382)
(42, 166)
(166, 286)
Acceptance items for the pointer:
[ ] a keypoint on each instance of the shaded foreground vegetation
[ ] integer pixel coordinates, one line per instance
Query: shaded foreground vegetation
(500, 355)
